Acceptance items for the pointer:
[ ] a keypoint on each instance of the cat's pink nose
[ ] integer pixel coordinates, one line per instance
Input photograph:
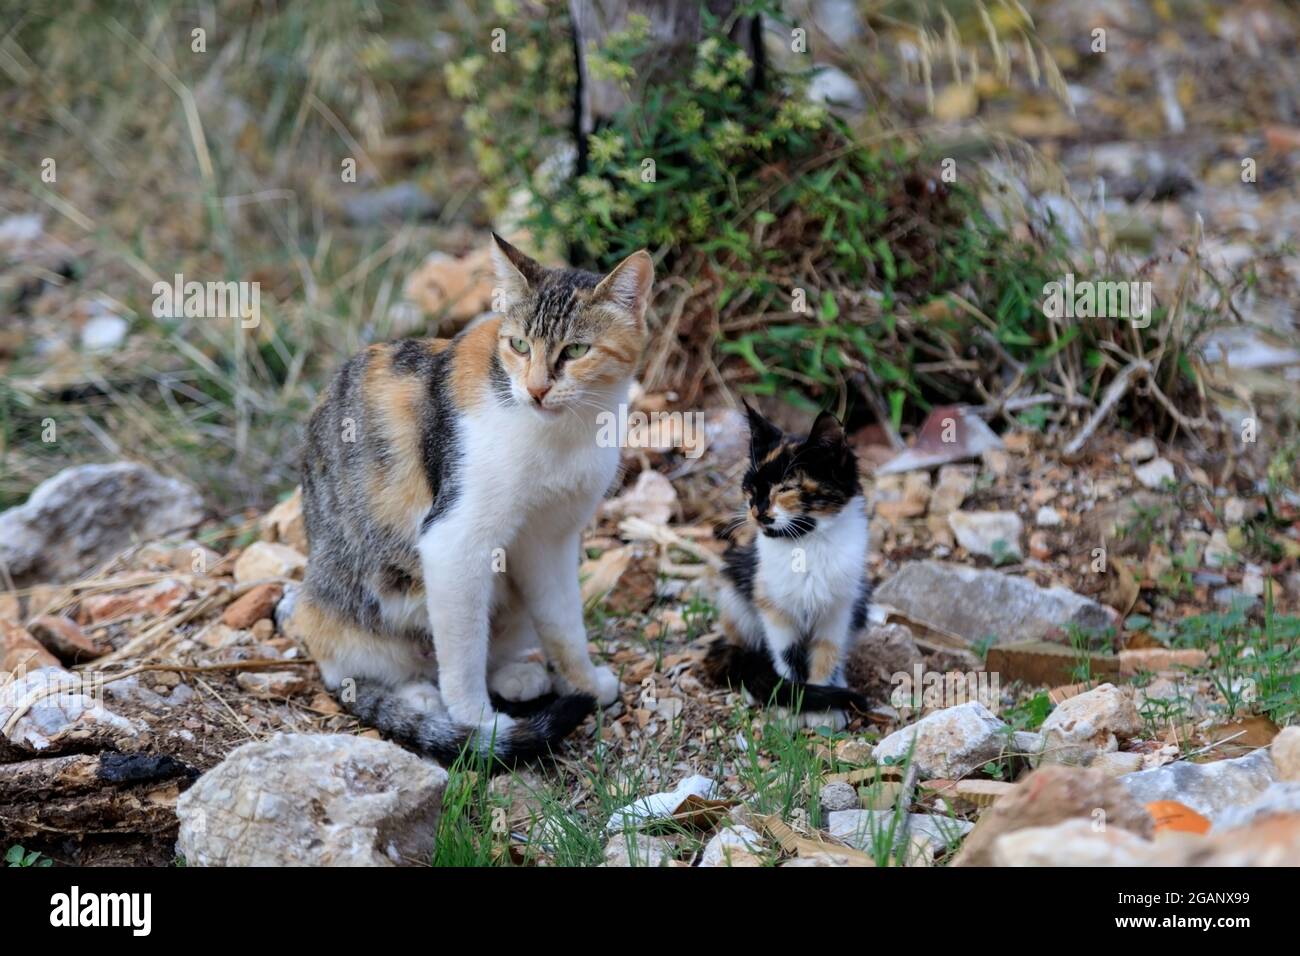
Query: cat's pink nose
(538, 392)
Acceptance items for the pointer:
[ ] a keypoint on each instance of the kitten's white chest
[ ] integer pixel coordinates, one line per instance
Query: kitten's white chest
(811, 576)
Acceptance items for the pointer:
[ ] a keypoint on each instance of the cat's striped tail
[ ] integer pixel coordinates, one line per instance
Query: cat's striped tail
(436, 735)
(737, 665)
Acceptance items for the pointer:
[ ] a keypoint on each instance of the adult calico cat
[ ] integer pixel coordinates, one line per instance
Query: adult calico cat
(445, 487)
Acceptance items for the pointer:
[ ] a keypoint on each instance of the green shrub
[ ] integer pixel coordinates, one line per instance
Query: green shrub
(807, 262)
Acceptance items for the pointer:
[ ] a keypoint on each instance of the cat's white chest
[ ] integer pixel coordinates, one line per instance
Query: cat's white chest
(528, 464)
(814, 575)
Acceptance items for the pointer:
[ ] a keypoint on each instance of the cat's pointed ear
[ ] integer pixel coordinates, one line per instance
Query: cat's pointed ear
(826, 431)
(627, 287)
(763, 435)
(515, 272)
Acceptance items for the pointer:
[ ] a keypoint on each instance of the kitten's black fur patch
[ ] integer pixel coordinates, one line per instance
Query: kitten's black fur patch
(735, 665)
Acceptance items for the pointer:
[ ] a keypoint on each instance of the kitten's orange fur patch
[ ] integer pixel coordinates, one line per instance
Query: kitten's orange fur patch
(770, 608)
(472, 361)
(823, 659)
(789, 500)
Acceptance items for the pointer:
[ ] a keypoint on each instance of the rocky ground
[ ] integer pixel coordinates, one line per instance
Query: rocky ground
(1150, 691)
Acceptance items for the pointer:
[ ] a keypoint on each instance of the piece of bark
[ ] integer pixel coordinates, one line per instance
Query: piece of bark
(83, 794)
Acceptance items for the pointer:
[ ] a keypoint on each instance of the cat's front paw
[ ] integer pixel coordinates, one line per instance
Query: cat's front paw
(606, 688)
(600, 682)
(489, 723)
(520, 680)
(422, 695)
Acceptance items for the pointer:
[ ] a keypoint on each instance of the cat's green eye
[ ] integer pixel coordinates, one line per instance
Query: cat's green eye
(576, 350)
(520, 345)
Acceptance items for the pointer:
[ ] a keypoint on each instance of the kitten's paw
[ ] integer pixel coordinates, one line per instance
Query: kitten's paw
(836, 720)
(520, 680)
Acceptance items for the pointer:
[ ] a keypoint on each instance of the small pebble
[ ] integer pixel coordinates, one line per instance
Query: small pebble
(838, 796)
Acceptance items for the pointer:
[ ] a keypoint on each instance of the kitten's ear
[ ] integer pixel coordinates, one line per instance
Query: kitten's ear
(515, 272)
(826, 431)
(763, 435)
(627, 287)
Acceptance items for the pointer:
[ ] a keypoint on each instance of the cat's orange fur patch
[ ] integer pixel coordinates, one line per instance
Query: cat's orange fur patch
(623, 344)
(323, 633)
(472, 362)
(613, 357)
(399, 492)
(330, 637)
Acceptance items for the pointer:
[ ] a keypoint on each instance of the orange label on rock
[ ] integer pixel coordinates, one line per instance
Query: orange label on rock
(1172, 815)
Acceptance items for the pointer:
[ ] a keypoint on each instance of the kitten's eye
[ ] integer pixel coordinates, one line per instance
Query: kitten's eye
(521, 346)
(576, 350)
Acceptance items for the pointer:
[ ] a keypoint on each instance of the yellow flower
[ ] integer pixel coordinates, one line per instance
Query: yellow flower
(605, 147)
(739, 64)
(460, 77)
(689, 116)
(638, 26)
(604, 68)
(530, 58)
(477, 120)
(729, 137)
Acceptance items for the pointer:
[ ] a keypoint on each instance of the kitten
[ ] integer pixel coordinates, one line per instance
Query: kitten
(445, 487)
(794, 586)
